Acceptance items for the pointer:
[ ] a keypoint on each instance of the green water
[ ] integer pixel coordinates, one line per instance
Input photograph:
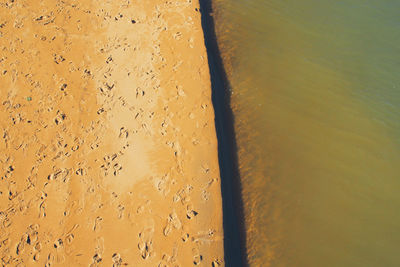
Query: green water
(316, 98)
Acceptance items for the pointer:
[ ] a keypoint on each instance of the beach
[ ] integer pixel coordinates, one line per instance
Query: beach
(109, 154)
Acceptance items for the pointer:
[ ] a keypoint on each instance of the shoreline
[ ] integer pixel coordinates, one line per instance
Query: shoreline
(109, 148)
(233, 210)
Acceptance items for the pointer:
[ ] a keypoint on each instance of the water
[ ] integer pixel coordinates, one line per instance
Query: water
(316, 98)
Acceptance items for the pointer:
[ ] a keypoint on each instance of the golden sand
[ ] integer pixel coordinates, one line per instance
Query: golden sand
(108, 151)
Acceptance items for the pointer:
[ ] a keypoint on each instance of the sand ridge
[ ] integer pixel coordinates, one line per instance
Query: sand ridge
(108, 153)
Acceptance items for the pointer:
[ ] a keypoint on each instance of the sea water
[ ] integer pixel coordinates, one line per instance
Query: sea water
(315, 92)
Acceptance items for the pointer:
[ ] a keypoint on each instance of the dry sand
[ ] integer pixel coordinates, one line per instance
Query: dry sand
(108, 151)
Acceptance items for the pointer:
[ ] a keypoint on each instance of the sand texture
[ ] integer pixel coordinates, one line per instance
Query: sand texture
(108, 151)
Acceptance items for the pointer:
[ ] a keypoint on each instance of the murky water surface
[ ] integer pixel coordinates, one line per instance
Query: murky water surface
(316, 98)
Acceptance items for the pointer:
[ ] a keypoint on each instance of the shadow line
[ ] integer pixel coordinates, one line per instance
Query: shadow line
(233, 215)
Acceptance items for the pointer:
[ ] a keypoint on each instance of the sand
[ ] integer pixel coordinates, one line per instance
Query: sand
(108, 150)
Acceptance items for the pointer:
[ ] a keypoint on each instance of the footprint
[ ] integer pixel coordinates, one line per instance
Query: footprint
(60, 117)
(121, 209)
(140, 209)
(80, 172)
(175, 220)
(42, 209)
(185, 237)
(190, 212)
(163, 184)
(117, 168)
(162, 264)
(116, 259)
(36, 256)
(197, 258)
(172, 222)
(38, 246)
(205, 195)
(216, 263)
(97, 223)
(58, 243)
(20, 248)
(168, 261)
(6, 260)
(69, 238)
(164, 261)
(96, 259)
(206, 236)
(145, 244)
(101, 110)
(99, 249)
(167, 229)
(139, 92)
(50, 260)
(123, 133)
(26, 239)
(145, 249)
(183, 194)
(108, 162)
(34, 227)
(63, 87)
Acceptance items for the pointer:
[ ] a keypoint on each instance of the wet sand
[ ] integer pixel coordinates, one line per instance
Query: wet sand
(108, 150)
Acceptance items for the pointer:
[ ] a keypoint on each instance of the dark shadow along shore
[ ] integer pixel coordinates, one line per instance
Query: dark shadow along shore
(233, 216)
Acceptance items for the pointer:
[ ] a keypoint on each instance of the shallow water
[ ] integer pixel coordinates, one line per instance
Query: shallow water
(316, 98)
